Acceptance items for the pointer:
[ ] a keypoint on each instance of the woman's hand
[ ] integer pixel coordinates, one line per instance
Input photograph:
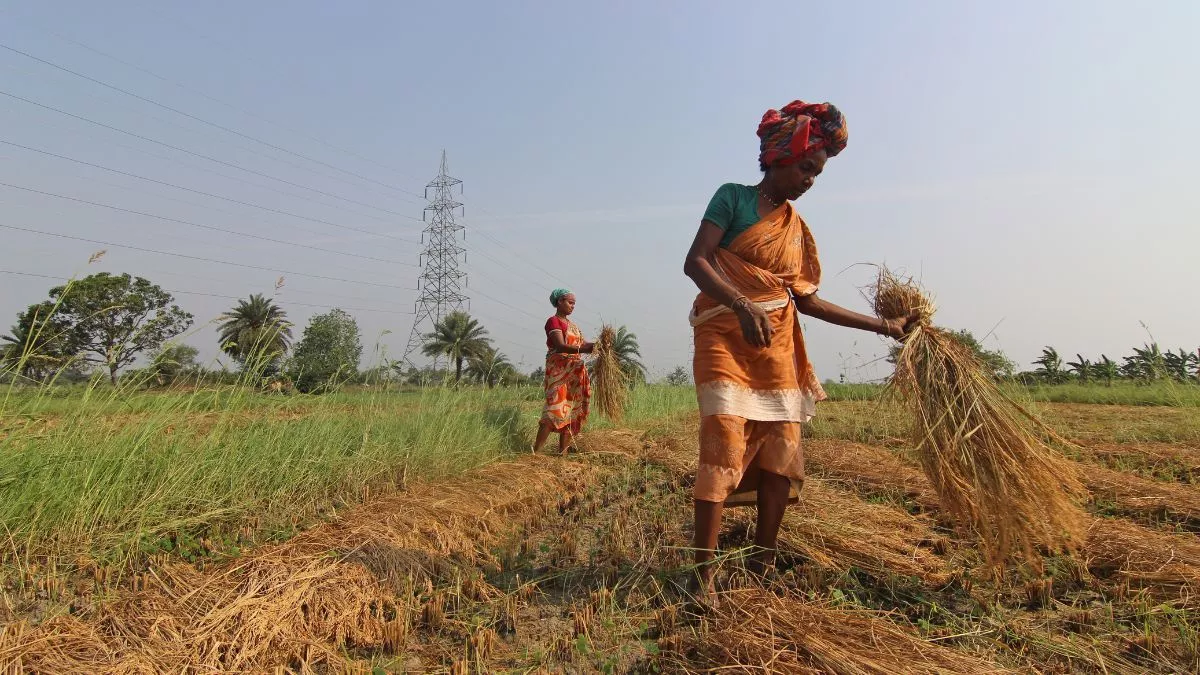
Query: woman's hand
(900, 328)
(756, 325)
(587, 348)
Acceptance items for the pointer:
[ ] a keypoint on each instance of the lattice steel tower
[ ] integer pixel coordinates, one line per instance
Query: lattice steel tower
(442, 282)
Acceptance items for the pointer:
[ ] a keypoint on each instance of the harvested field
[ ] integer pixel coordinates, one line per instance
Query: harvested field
(578, 565)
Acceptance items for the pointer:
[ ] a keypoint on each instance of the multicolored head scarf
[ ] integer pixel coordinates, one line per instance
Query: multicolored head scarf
(558, 294)
(786, 135)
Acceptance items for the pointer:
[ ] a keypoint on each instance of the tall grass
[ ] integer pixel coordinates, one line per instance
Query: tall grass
(1167, 393)
(116, 468)
(113, 472)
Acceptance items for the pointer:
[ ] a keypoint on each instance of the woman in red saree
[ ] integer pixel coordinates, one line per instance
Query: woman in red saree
(755, 263)
(567, 385)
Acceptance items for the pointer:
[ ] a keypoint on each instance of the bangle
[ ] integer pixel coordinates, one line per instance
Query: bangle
(741, 299)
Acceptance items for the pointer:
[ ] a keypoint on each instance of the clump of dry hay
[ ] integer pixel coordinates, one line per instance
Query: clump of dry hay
(755, 630)
(992, 473)
(610, 384)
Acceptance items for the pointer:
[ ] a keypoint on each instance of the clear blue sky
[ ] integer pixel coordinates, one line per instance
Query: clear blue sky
(1033, 162)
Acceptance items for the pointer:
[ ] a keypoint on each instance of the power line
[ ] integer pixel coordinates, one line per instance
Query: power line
(198, 119)
(201, 155)
(227, 297)
(209, 170)
(199, 258)
(203, 226)
(217, 100)
(206, 194)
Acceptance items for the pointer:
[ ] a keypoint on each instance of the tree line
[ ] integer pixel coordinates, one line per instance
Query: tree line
(1147, 364)
(105, 323)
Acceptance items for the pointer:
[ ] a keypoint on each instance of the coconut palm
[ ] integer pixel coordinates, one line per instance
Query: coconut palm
(625, 346)
(457, 337)
(489, 367)
(255, 330)
(41, 342)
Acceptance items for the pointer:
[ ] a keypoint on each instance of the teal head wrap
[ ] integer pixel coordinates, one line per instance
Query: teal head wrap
(558, 294)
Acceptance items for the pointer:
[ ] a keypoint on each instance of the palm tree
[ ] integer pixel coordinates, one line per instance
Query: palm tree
(41, 342)
(1179, 365)
(625, 346)
(1050, 366)
(256, 330)
(1106, 369)
(1081, 367)
(457, 337)
(489, 367)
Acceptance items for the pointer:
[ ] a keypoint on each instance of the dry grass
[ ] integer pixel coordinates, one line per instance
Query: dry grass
(869, 470)
(610, 384)
(1167, 565)
(300, 604)
(992, 473)
(757, 631)
(1141, 496)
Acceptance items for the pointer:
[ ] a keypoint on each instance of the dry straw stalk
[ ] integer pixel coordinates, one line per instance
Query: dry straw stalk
(610, 383)
(980, 449)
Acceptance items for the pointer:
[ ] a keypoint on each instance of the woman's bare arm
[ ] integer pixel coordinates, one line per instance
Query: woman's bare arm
(699, 266)
(559, 345)
(813, 306)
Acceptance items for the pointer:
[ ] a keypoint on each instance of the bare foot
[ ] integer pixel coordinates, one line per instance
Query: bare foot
(703, 590)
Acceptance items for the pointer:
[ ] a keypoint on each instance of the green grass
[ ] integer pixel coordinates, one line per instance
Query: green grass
(119, 472)
(1172, 394)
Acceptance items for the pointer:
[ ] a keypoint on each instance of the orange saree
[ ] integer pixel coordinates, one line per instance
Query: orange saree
(752, 400)
(567, 385)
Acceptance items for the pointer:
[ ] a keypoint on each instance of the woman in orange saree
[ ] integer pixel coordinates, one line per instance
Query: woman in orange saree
(566, 382)
(755, 263)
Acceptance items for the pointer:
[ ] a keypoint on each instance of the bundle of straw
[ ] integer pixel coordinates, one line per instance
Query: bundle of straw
(609, 382)
(981, 450)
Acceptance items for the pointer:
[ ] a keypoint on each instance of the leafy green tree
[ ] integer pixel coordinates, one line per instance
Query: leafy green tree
(328, 352)
(1050, 366)
(994, 360)
(114, 318)
(458, 337)
(175, 360)
(490, 367)
(679, 377)
(538, 376)
(41, 342)
(256, 331)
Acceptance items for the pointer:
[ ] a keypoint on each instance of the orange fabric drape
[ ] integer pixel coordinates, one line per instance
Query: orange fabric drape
(752, 399)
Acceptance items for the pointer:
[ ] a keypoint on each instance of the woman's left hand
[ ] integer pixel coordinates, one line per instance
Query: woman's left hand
(587, 348)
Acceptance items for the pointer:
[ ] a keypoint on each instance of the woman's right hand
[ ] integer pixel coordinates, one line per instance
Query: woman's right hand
(587, 348)
(756, 325)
